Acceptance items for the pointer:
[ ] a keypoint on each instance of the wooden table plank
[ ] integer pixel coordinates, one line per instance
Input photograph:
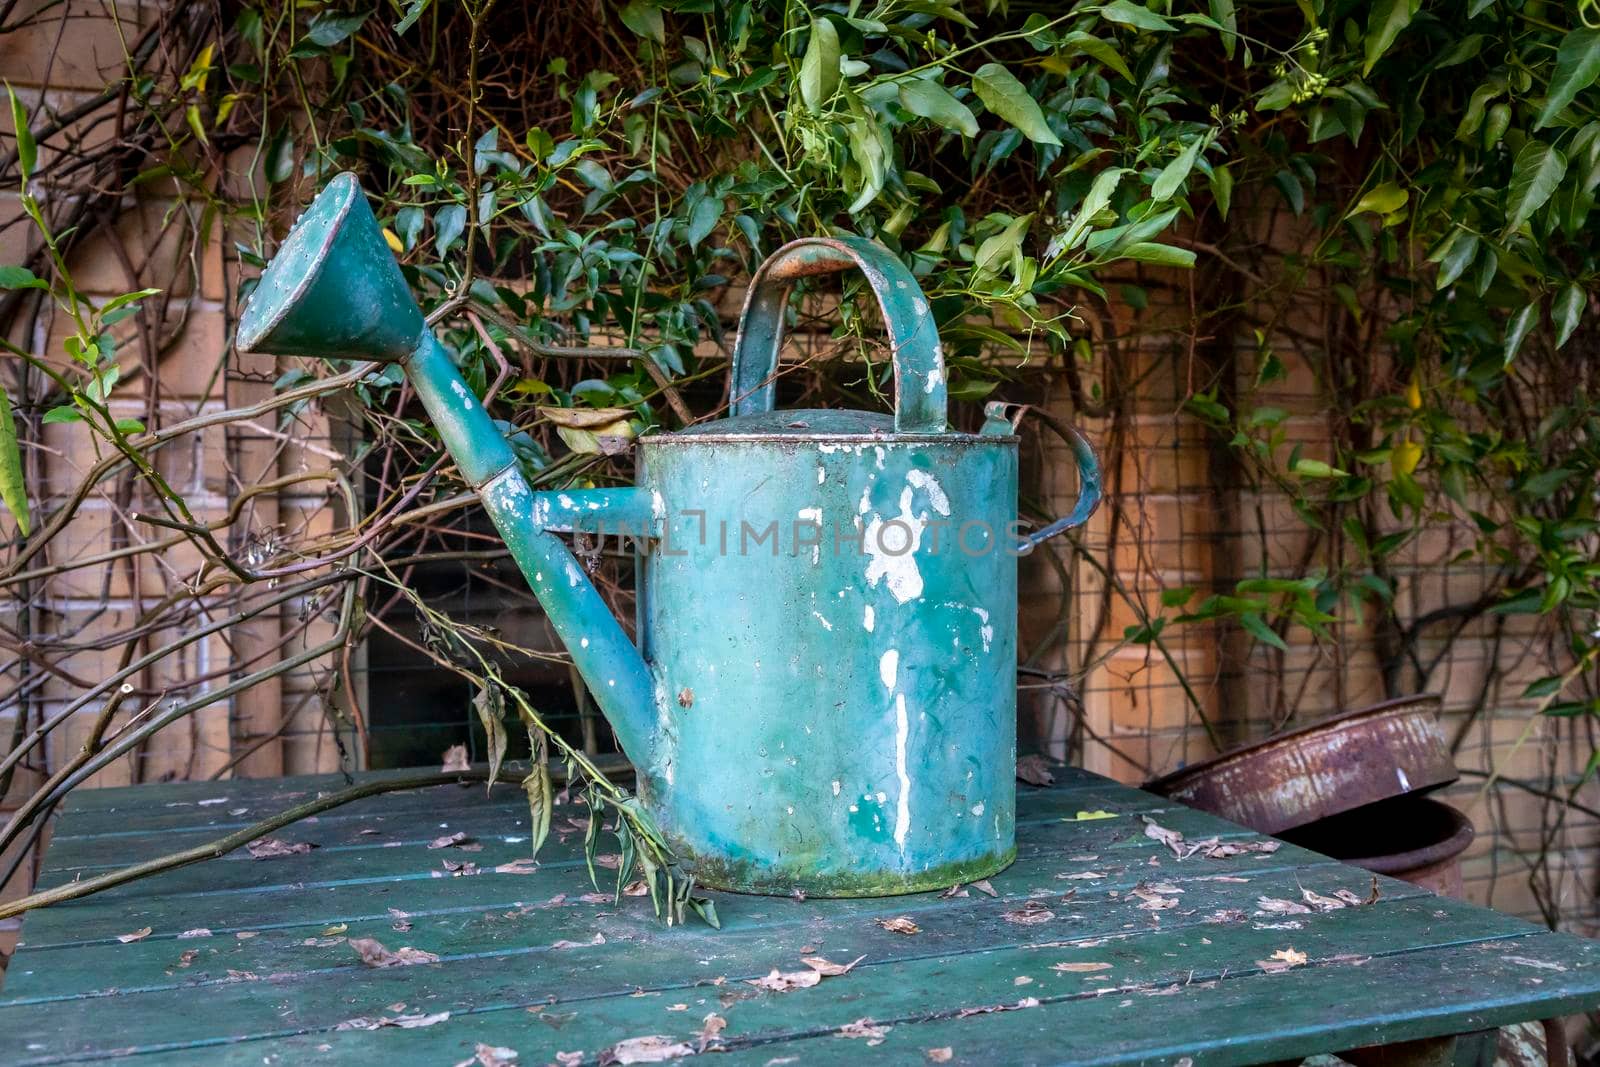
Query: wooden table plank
(74, 991)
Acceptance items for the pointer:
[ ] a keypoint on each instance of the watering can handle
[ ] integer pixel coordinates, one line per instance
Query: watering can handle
(920, 402)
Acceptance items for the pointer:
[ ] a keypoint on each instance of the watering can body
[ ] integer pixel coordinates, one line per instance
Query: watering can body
(821, 695)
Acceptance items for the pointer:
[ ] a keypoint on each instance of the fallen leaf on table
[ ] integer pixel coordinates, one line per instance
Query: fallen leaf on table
(455, 759)
(652, 1048)
(939, 1055)
(1035, 770)
(403, 1022)
(1217, 849)
(198, 931)
(954, 891)
(462, 869)
(983, 886)
(712, 1025)
(322, 942)
(1022, 979)
(637, 888)
(1080, 968)
(864, 1028)
(1030, 914)
(243, 935)
(449, 839)
(188, 956)
(1320, 902)
(779, 982)
(1089, 816)
(829, 969)
(1372, 897)
(490, 1056)
(1275, 906)
(526, 865)
(374, 954)
(569, 1059)
(900, 924)
(335, 928)
(1282, 960)
(598, 939)
(137, 935)
(267, 848)
(677, 1007)
(1079, 875)
(596, 898)
(610, 861)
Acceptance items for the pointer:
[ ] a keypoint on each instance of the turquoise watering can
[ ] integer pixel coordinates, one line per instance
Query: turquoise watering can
(822, 694)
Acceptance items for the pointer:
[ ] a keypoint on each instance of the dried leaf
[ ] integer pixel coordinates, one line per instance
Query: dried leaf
(198, 931)
(266, 848)
(569, 1059)
(1030, 914)
(1035, 770)
(374, 954)
(1282, 960)
(462, 869)
(403, 1022)
(1080, 968)
(711, 1026)
(983, 886)
(829, 969)
(939, 1055)
(1081, 875)
(954, 891)
(864, 1028)
(1276, 906)
(137, 935)
(455, 759)
(456, 838)
(526, 865)
(598, 939)
(777, 982)
(636, 888)
(653, 1048)
(1320, 902)
(490, 1056)
(188, 956)
(335, 928)
(610, 861)
(1171, 838)
(900, 924)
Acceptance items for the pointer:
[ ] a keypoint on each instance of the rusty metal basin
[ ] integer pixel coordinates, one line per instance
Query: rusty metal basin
(1416, 839)
(1339, 764)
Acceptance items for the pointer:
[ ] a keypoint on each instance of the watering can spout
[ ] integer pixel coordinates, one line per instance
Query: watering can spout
(335, 291)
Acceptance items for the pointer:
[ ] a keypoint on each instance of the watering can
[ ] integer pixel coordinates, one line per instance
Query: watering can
(821, 698)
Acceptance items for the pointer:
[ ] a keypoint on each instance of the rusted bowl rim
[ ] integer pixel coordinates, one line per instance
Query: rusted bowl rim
(1170, 781)
(1426, 856)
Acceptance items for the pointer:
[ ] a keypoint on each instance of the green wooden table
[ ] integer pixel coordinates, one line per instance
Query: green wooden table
(1100, 946)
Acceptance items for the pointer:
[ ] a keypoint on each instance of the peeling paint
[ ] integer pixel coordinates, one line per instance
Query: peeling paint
(889, 667)
(867, 619)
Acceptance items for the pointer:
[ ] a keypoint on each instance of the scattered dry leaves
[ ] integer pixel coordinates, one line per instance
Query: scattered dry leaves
(711, 1029)
(652, 1048)
(403, 1022)
(1080, 968)
(374, 954)
(598, 939)
(137, 935)
(525, 865)
(198, 931)
(829, 969)
(866, 1029)
(268, 848)
(1030, 914)
(1278, 906)
(1282, 960)
(939, 1055)
(455, 759)
(490, 1056)
(900, 924)
(457, 838)
(781, 982)
(983, 886)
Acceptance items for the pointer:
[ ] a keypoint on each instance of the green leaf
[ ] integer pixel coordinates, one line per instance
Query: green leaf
(1222, 11)
(1577, 66)
(1457, 257)
(414, 11)
(1388, 18)
(1130, 14)
(1537, 171)
(1517, 331)
(62, 413)
(928, 99)
(1316, 468)
(1257, 627)
(1173, 174)
(870, 148)
(12, 491)
(328, 29)
(20, 278)
(27, 151)
(1222, 188)
(1001, 250)
(1382, 200)
(1103, 51)
(125, 299)
(644, 18)
(448, 223)
(1567, 311)
(819, 68)
(703, 218)
(1159, 254)
(1008, 98)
